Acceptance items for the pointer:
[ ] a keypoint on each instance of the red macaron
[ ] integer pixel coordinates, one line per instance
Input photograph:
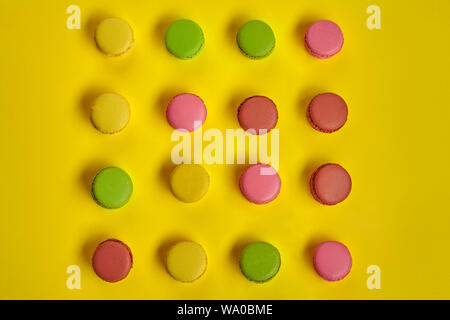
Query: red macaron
(258, 115)
(330, 184)
(112, 260)
(327, 112)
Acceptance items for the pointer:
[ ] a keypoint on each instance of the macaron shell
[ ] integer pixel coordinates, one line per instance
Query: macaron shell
(324, 39)
(258, 113)
(114, 37)
(189, 182)
(186, 261)
(327, 112)
(330, 184)
(332, 260)
(110, 113)
(186, 111)
(112, 260)
(260, 183)
(184, 39)
(112, 188)
(256, 39)
(260, 261)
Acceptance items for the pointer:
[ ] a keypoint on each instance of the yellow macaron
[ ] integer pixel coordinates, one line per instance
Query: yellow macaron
(186, 261)
(110, 113)
(189, 182)
(114, 37)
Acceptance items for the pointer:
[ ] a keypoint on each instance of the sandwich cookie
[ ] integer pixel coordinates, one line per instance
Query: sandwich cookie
(114, 37)
(260, 183)
(327, 112)
(260, 261)
(258, 115)
(324, 39)
(186, 261)
(184, 39)
(256, 39)
(110, 113)
(186, 112)
(330, 184)
(112, 188)
(112, 260)
(189, 182)
(332, 260)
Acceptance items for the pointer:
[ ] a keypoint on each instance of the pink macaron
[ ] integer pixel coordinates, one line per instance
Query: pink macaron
(260, 183)
(324, 39)
(186, 111)
(332, 260)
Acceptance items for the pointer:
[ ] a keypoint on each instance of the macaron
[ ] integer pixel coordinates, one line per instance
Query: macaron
(112, 188)
(260, 183)
(114, 37)
(186, 261)
(112, 260)
(189, 182)
(258, 115)
(184, 39)
(324, 39)
(330, 184)
(256, 39)
(110, 113)
(260, 261)
(327, 112)
(186, 112)
(332, 260)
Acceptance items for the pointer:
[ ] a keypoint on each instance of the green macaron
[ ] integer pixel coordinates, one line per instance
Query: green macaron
(112, 188)
(184, 39)
(260, 261)
(256, 39)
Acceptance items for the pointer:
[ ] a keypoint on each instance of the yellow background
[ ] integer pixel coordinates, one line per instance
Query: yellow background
(395, 146)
